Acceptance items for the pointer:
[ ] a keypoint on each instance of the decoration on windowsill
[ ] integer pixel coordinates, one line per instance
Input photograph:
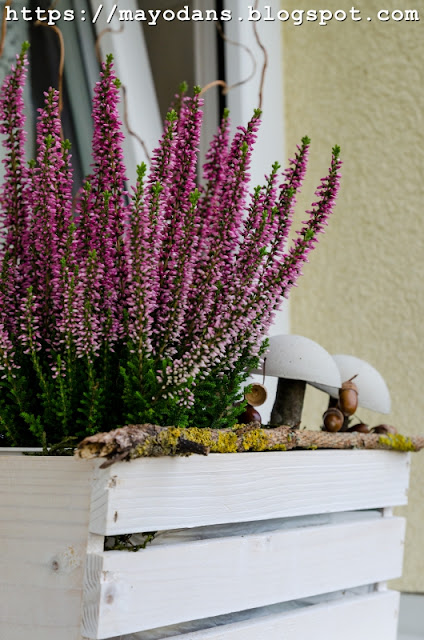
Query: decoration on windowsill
(365, 388)
(149, 307)
(295, 361)
(372, 389)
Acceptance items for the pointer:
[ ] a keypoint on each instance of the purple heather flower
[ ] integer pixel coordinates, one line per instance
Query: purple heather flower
(49, 202)
(13, 219)
(12, 123)
(187, 276)
(102, 209)
(177, 257)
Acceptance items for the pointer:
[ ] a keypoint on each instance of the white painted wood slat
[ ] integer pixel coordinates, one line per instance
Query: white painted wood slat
(163, 493)
(370, 617)
(44, 513)
(127, 592)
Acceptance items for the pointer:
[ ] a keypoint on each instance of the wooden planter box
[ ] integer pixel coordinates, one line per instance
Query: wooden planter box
(299, 543)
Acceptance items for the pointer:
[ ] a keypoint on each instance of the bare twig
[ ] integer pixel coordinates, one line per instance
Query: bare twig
(4, 26)
(126, 122)
(58, 32)
(248, 51)
(215, 83)
(101, 35)
(265, 64)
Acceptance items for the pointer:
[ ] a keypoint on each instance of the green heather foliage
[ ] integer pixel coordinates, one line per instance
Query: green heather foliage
(149, 306)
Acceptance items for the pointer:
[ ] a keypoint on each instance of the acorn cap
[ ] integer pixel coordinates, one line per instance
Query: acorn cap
(257, 394)
(372, 389)
(349, 384)
(299, 358)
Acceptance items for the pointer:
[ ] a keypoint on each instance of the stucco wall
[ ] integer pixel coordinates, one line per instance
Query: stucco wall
(361, 85)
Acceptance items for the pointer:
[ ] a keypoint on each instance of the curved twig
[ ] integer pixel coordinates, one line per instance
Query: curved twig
(4, 26)
(215, 83)
(100, 36)
(126, 122)
(265, 64)
(59, 34)
(248, 51)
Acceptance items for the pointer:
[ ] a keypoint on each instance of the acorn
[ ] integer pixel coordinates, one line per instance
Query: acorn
(249, 415)
(333, 419)
(361, 427)
(384, 429)
(257, 394)
(348, 397)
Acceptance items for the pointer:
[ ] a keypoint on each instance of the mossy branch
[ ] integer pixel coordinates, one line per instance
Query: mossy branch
(148, 440)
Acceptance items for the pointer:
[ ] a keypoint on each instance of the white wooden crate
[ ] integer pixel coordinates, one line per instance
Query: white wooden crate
(299, 542)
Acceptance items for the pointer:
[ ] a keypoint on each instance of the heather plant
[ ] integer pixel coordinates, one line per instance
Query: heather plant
(145, 306)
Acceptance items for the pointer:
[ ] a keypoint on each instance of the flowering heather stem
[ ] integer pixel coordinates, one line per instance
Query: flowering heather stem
(279, 279)
(214, 281)
(214, 175)
(49, 200)
(178, 257)
(12, 122)
(318, 216)
(13, 216)
(140, 299)
(105, 204)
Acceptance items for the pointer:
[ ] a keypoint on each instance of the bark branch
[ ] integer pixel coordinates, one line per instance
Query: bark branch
(146, 440)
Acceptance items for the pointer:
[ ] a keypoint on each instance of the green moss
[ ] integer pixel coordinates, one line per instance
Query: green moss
(279, 447)
(255, 440)
(164, 444)
(397, 442)
(226, 442)
(169, 440)
(201, 436)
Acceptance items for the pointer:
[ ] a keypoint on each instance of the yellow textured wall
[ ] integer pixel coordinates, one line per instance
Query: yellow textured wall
(361, 85)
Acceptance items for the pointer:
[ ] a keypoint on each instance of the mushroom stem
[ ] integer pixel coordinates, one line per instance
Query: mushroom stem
(288, 403)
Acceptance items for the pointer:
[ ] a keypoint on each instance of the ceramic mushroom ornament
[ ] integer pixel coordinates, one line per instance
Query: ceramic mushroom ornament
(295, 361)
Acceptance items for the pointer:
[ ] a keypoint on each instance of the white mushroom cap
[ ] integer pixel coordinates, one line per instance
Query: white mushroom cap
(299, 358)
(372, 390)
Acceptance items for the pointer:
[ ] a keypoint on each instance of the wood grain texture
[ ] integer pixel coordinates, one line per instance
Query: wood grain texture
(164, 585)
(369, 617)
(44, 513)
(168, 493)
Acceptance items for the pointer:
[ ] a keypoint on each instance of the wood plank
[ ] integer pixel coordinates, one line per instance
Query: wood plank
(127, 592)
(369, 617)
(22, 631)
(169, 493)
(44, 513)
